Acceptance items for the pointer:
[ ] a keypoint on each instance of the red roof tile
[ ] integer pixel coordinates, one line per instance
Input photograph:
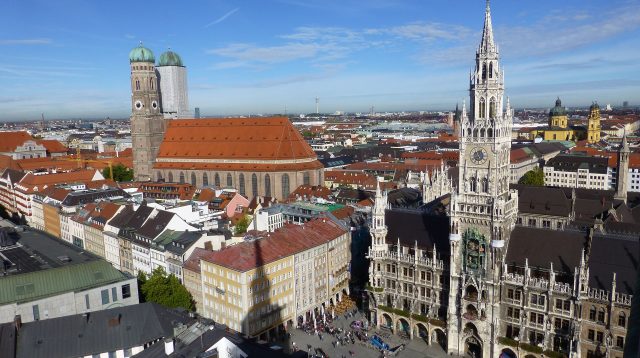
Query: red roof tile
(10, 140)
(285, 242)
(242, 139)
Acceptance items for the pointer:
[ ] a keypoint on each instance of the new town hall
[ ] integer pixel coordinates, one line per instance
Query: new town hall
(493, 270)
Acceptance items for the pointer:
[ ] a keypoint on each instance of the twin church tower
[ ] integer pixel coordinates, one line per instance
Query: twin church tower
(158, 94)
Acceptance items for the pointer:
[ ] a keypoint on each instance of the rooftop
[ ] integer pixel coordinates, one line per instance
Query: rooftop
(285, 242)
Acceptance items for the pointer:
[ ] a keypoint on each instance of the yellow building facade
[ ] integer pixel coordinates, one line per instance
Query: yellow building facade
(560, 129)
(254, 301)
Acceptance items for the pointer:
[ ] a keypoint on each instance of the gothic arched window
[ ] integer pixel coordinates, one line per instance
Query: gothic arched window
(490, 69)
(151, 83)
(484, 71)
(159, 176)
(267, 185)
(622, 320)
(473, 184)
(181, 177)
(241, 184)
(481, 132)
(137, 84)
(492, 107)
(285, 185)
(485, 185)
(468, 132)
(490, 133)
(170, 177)
(229, 180)
(205, 179)
(216, 180)
(305, 178)
(483, 109)
(254, 184)
(193, 179)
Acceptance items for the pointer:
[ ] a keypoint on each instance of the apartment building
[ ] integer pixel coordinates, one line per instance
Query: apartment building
(578, 171)
(252, 286)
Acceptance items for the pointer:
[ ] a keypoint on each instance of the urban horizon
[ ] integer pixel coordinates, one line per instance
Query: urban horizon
(414, 58)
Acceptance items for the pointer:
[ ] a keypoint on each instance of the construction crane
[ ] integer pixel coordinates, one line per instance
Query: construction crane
(76, 142)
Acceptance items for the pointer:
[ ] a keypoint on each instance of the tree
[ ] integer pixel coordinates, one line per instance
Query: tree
(142, 279)
(120, 173)
(533, 177)
(165, 290)
(242, 225)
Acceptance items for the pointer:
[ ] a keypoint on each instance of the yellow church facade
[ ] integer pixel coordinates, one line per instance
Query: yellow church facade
(559, 128)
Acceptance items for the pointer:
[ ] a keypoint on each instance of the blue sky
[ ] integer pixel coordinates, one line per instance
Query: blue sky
(68, 58)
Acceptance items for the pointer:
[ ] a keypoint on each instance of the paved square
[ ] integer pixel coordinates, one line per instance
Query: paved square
(415, 348)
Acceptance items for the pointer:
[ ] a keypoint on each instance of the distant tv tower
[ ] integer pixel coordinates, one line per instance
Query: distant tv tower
(317, 105)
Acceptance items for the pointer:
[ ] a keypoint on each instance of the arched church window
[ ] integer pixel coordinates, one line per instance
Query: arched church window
(229, 180)
(137, 84)
(193, 179)
(468, 132)
(484, 71)
(151, 83)
(159, 176)
(483, 109)
(205, 180)
(485, 185)
(490, 69)
(181, 177)
(492, 108)
(216, 180)
(267, 185)
(306, 179)
(490, 133)
(481, 132)
(241, 184)
(475, 133)
(473, 184)
(254, 184)
(170, 177)
(285, 185)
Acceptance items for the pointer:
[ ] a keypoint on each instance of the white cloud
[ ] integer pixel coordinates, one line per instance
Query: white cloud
(222, 18)
(42, 41)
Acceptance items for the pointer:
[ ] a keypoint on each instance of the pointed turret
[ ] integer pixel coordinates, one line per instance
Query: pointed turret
(487, 45)
(623, 169)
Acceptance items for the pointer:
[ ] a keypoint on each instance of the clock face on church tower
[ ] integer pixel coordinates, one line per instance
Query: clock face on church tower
(478, 155)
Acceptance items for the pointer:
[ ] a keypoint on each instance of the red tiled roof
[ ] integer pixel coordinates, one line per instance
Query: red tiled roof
(243, 139)
(193, 262)
(52, 145)
(58, 178)
(309, 191)
(519, 155)
(343, 212)
(10, 140)
(284, 242)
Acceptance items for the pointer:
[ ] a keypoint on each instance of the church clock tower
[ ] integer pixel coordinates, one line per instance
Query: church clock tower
(483, 210)
(147, 123)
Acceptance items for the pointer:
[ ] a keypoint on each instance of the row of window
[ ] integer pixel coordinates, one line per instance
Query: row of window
(306, 180)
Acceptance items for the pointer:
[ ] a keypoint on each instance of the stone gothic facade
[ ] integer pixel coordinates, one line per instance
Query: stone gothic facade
(504, 272)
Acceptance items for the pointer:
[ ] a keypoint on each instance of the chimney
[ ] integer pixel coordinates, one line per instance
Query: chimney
(168, 346)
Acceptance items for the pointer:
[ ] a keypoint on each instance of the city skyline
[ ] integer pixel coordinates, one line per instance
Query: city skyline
(256, 57)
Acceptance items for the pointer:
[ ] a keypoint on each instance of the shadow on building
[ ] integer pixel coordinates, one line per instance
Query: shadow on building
(267, 320)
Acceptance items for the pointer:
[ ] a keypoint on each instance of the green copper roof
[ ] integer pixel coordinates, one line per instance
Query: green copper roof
(141, 54)
(44, 283)
(558, 110)
(170, 58)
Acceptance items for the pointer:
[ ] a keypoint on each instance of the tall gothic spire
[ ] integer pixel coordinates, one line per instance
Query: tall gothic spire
(487, 45)
(624, 147)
